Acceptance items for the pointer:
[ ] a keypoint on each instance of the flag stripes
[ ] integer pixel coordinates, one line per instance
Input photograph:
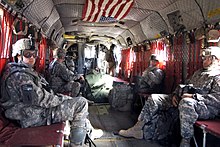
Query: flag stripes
(95, 10)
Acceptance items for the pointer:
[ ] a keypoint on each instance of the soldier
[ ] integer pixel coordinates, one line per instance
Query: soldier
(200, 100)
(70, 64)
(25, 99)
(61, 79)
(110, 58)
(152, 78)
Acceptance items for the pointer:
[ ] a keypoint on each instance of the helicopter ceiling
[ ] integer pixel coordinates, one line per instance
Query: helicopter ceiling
(144, 20)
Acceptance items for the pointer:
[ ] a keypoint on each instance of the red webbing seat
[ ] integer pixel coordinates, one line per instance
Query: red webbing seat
(36, 136)
(209, 126)
(12, 135)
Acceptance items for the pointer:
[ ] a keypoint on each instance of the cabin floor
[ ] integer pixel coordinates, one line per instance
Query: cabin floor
(102, 116)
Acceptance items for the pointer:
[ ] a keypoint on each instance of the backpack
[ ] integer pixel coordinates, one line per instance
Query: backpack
(97, 87)
(120, 96)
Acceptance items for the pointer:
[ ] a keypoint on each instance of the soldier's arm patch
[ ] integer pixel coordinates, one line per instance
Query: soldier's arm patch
(27, 91)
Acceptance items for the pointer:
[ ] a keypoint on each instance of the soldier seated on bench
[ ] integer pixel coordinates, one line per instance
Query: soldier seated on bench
(199, 99)
(26, 100)
(151, 80)
(61, 79)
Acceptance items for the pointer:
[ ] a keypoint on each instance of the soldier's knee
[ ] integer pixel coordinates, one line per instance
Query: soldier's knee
(186, 105)
(186, 102)
(76, 84)
(83, 100)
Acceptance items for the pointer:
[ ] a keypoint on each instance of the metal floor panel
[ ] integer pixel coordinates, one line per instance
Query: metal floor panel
(111, 121)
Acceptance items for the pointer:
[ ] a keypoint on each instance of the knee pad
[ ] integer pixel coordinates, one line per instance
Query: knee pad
(78, 135)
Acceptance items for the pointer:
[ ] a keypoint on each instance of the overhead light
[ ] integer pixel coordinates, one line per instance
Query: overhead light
(69, 36)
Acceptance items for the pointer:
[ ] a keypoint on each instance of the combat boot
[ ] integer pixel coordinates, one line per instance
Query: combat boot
(185, 143)
(135, 131)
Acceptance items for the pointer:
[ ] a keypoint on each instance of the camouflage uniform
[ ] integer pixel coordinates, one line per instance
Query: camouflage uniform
(70, 64)
(110, 58)
(151, 80)
(62, 80)
(201, 106)
(26, 100)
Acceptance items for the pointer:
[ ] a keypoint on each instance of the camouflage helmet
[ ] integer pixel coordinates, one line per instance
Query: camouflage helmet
(22, 44)
(61, 53)
(154, 57)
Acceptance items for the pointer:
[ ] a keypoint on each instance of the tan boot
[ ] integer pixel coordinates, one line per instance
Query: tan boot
(135, 131)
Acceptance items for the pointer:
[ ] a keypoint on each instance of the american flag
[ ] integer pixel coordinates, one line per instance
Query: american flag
(106, 10)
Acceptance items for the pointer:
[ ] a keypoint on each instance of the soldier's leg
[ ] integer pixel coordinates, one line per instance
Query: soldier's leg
(74, 88)
(78, 124)
(154, 103)
(190, 110)
(76, 111)
(82, 86)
